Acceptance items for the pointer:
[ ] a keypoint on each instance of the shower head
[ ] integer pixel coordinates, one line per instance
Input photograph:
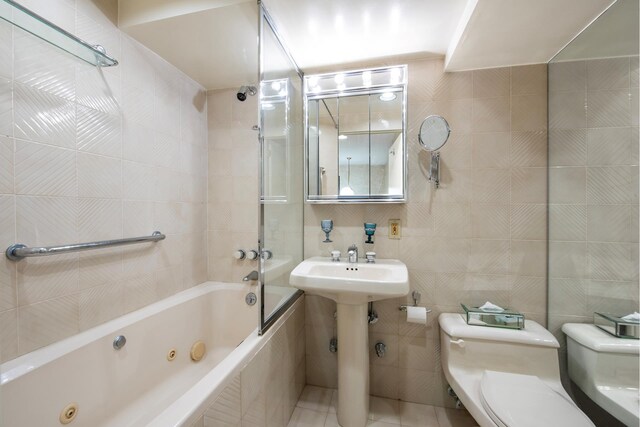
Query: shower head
(244, 90)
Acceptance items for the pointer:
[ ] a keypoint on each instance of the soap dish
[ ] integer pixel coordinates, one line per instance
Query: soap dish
(507, 319)
(617, 326)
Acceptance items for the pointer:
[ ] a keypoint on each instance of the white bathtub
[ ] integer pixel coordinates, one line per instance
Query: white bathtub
(137, 385)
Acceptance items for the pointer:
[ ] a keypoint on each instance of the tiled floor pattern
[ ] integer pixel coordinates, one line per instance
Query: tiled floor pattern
(317, 408)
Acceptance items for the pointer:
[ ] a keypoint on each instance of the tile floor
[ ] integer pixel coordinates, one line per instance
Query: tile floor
(317, 408)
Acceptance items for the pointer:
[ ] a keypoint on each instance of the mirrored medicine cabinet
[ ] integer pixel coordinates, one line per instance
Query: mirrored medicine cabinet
(355, 134)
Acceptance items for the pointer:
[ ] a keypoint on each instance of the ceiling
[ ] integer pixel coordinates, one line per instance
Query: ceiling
(215, 41)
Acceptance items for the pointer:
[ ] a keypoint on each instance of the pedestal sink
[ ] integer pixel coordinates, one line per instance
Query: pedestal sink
(352, 286)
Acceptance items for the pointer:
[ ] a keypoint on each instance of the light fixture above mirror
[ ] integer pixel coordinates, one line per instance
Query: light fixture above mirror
(356, 136)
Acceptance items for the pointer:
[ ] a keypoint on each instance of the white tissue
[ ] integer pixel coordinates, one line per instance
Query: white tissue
(417, 315)
(487, 306)
(633, 317)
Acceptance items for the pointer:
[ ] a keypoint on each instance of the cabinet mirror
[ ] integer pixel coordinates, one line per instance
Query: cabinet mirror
(356, 136)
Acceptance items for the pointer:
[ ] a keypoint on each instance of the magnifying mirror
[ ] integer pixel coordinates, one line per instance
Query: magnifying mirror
(434, 133)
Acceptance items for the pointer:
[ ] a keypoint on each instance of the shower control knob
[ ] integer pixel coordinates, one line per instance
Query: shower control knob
(252, 254)
(239, 254)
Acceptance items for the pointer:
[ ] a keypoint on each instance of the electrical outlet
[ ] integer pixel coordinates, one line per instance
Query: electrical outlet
(395, 229)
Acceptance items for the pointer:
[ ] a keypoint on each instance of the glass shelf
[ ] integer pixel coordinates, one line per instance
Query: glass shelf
(507, 319)
(23, 18)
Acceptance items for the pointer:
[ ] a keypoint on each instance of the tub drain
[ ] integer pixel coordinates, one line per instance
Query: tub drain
(69, 413)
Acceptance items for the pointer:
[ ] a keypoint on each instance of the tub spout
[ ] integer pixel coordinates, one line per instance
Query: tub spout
(251, 276)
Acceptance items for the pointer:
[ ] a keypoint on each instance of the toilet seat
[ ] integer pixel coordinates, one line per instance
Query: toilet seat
(516, 400)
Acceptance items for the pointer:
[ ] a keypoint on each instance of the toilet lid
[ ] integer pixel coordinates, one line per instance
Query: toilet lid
(515, 400)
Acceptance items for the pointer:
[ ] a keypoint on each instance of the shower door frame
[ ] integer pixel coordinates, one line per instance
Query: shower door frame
(265, 324)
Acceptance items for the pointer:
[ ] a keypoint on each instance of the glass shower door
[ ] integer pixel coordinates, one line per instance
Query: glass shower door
(281, 172)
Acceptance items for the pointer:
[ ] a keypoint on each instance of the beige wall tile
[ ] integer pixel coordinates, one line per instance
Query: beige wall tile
(611, 108)
(529, 112)
(44, 170)
(568, 222)
(529, 221)
(610, 73)
(489, 221)
(56, 127)
(567, 185)
(68, 181)
(529, 80)
(567, 147)
(491, 83)
(491, 186)
(569, 110)
(6, 165)
(9, 335)
(46, 322)
(491, 114)
(568, 76)
(529, 148)
(6, 107)
(491, 150)
(528, 185)
(567, 259)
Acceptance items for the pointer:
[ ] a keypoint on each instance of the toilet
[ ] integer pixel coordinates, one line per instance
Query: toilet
(606, 369)
(507, 377)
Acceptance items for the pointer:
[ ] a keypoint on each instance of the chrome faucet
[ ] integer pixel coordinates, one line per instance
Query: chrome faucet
(251, 276)
(352, 252)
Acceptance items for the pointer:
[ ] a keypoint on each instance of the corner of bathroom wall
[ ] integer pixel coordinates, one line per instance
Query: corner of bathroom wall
(95, 153)
(233, 183)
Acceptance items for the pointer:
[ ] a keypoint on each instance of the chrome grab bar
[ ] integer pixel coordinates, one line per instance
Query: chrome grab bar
(18, 251)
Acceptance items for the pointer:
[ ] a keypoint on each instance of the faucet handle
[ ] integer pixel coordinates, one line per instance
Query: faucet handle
(335, 256)
(371, 257)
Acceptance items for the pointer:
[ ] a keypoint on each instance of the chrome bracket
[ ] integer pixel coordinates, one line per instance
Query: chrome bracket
(434, 169)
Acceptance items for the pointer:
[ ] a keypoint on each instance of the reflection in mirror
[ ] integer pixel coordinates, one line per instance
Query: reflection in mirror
(274, 105)
(356, 138)
(593, 288)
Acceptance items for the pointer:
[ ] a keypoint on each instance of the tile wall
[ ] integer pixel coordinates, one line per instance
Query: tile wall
(593, 184)
(480, 236)
(89, 154)
(233, 183)
(265, 391)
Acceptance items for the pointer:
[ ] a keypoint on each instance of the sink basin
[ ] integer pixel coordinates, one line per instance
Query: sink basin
(352, 286)
(348, 283)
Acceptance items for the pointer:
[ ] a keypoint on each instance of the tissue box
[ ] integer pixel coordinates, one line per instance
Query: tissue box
(508, 319)
(616, 326)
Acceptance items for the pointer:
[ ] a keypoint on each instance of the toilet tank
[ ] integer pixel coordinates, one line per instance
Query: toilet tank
(471, 348)
(597, 359)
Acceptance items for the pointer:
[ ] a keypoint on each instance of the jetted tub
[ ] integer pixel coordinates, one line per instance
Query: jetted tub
(138, 385)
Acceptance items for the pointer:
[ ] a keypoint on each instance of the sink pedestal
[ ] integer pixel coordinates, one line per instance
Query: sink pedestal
(352, 286)
(353, 365)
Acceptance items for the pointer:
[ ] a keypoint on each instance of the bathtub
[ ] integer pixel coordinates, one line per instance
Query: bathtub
(138, 385)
